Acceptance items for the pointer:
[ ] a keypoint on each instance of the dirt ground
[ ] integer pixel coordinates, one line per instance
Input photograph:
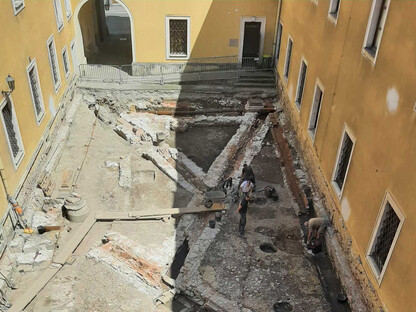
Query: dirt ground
(269, 270)
(265, 281)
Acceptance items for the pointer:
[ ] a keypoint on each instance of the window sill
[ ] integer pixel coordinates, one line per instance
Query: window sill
(18, 160)
(369, 55)
(312, 134)
(68, 17)
(67, 75)
(298, 105)
(40, 119)
(60, 27)
(315, 2)
(177, 57)
(335, 187)
(333, 18)
(57, 87)
(18, 9)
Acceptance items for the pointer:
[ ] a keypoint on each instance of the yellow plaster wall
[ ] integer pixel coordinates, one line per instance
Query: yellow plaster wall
(213, 23)
(25, 37)
(356, 94)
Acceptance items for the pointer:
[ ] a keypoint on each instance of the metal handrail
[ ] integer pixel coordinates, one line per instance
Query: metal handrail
(193, 69)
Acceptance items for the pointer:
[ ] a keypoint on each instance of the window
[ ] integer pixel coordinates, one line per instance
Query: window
(11, 128)
(68, 9)
(334, 6)
(58, 14)
(18, 5)
(301, 83)
(177, 37)
(53, 62)
(316, 108)
(35, 91)
(343, 162)
(278, 41)
(288, 57)
(386, 232)
(375, 27)
(65, 61)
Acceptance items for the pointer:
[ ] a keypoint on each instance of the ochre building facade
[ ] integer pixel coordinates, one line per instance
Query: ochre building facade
(348, 71)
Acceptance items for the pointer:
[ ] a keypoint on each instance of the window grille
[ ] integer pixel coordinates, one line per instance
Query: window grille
(387, 231)
(7, 113)
(178, 32)
(65, 61)
(34, 85)
(344, 159)
(54, 66)
(58, 14)
(301, 83)
(68, 9)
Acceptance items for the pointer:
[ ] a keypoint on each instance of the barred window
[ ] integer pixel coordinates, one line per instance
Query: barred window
(12, 131)
(53, 61)
(35, 91)
(58, 14)
(65, 61)
(343, 161)
(68, 9)
(385, 236)
(177, 37)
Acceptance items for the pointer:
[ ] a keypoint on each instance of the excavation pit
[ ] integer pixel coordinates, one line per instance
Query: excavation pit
(202, 143)
(282, 306)
(268, 248)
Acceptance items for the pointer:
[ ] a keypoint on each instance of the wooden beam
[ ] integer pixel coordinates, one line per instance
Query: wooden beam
(145, 214)
(35, 287)
(75, 240)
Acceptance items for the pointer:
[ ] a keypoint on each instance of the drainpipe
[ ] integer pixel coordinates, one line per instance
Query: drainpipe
(276, 29)
(3, 179)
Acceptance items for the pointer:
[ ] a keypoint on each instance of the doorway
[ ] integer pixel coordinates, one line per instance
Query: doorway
(252, 31)
(104, 32)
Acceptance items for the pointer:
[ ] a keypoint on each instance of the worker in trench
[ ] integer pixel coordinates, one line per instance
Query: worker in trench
(248, 181)
(316, 228)
(242, 210)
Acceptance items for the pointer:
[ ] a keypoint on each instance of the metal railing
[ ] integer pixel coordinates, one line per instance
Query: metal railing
(222, 67)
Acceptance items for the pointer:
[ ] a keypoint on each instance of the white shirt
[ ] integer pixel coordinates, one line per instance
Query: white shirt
(246, 186)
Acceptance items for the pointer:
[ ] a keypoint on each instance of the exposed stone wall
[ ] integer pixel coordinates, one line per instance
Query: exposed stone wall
(339, 239)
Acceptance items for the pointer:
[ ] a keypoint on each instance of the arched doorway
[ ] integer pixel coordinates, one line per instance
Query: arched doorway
(104, 32)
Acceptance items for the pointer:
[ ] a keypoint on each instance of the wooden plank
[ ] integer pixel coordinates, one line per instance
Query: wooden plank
(75, 240)
(66, 178)
(136, 215)
(34, 288)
